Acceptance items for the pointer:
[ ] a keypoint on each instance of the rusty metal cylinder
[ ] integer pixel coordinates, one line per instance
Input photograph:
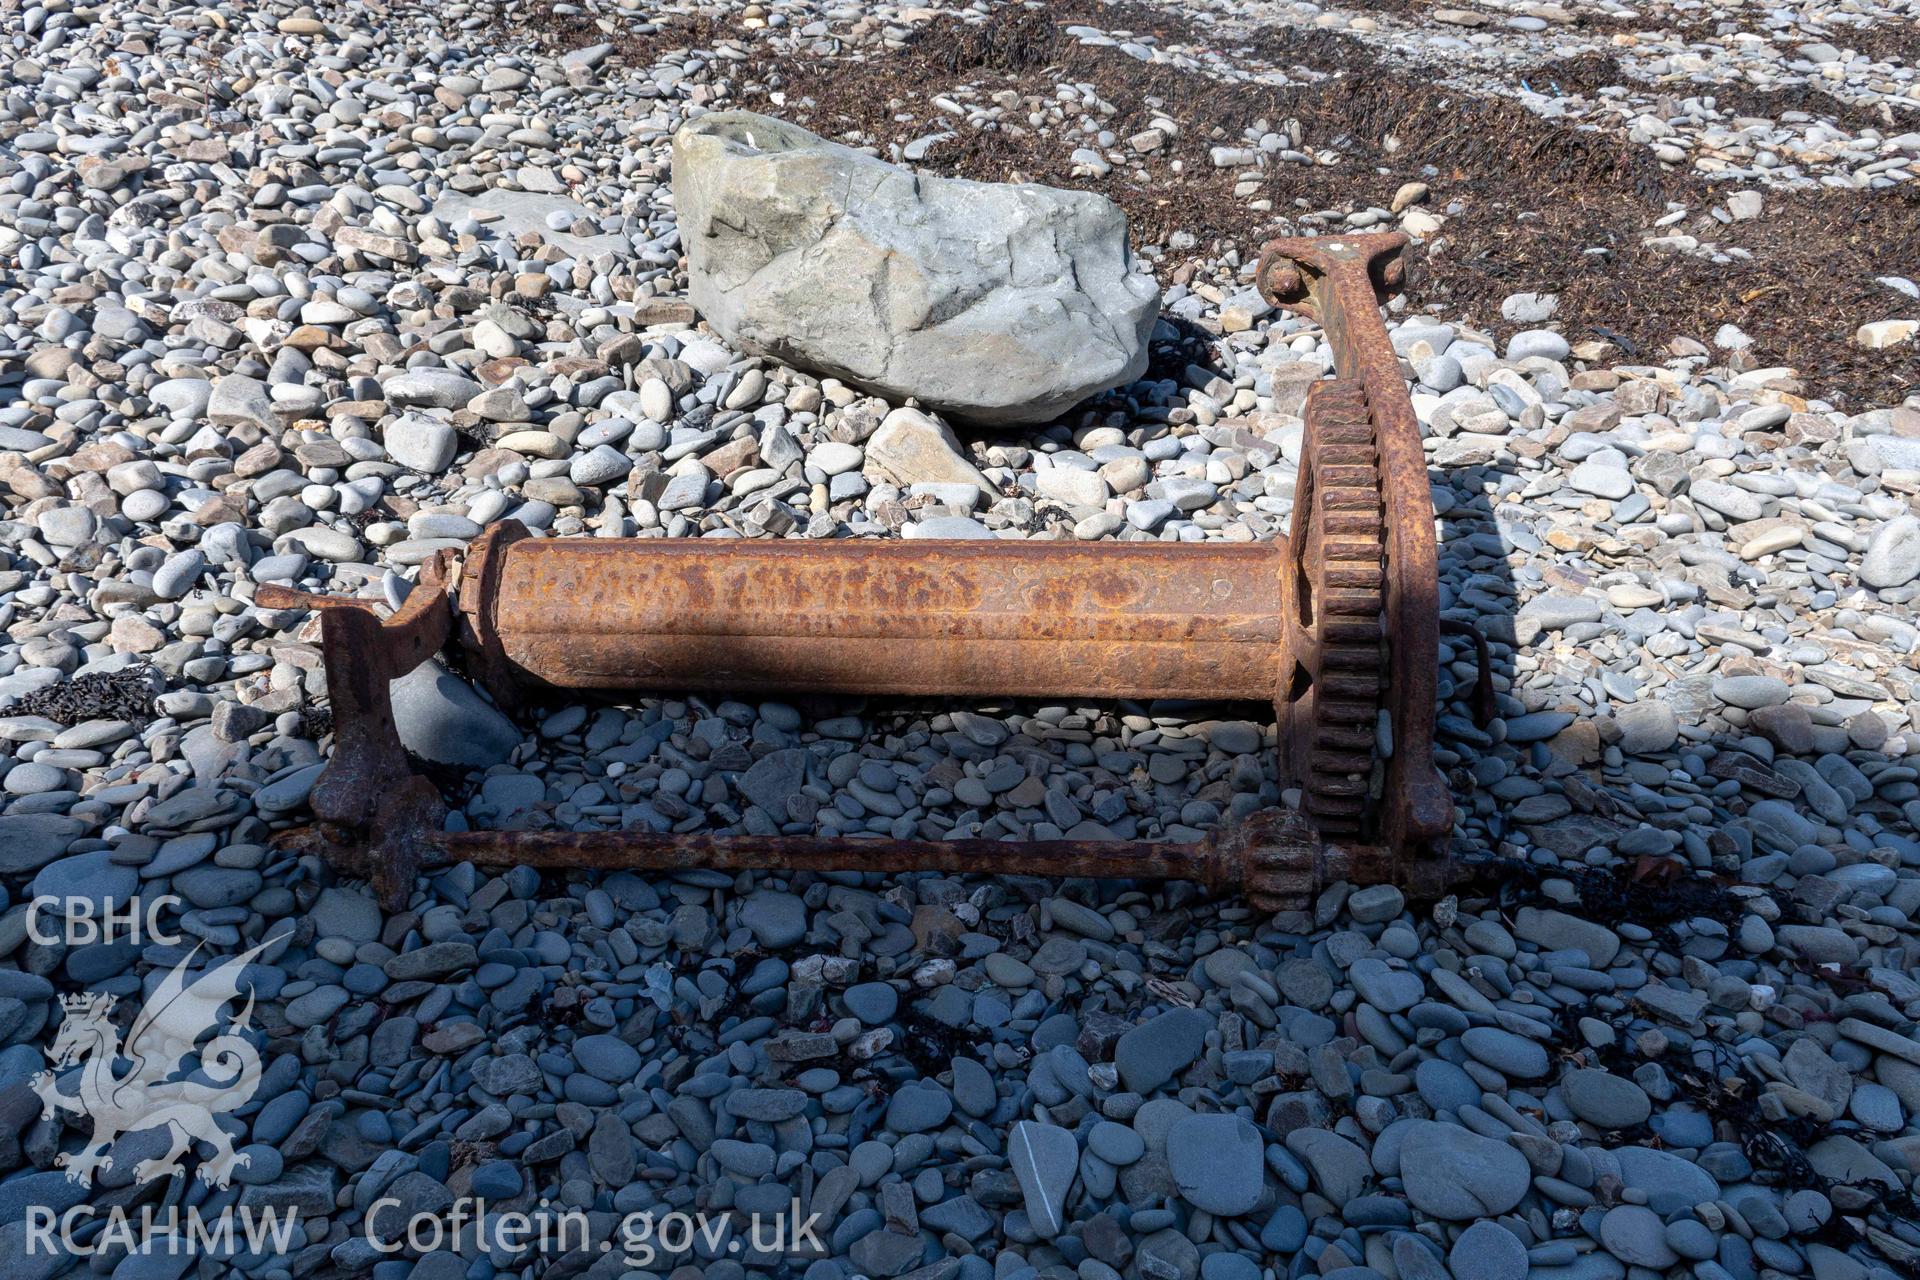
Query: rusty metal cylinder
(1137, 620)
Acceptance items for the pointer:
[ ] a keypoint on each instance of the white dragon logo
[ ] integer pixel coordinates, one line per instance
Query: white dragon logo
(161, 1086)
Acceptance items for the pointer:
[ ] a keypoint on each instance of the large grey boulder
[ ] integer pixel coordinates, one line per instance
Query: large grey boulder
(993, 303)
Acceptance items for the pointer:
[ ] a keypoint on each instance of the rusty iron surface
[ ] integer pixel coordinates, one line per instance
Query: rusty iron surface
(363, 656)
(959, 619)
(1337, 625)
(669, 852)
(1341, 280)
(1276, 859)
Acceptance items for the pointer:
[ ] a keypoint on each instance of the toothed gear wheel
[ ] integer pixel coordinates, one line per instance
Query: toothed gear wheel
(1330, 699)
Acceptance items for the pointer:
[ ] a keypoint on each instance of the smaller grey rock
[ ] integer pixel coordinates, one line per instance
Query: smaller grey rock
(1456, 1174)
(774, 779)
(1647, 728)
(241, 401)
(344, 913)
(1601, 479)
(1216, 1163)
(1506, 1052)
(1376, 904)
(872, 1002)
(684, 489)
(1154, 1052)
(973, 1087)
(178, 572)
(1387, 989)
(1892, 557)
(442, 719)
(917, 1108)
(1634, 1234)
(421, 443)
(1605, 1100)
(1751, 692)
(776, 919)
(601, 465)
(1488, 1251)
(429, 387)
(1559, 931)
(1045, 1158)
(607, 1057)
(1529, 308)
(1737, 505)
(1537, 342)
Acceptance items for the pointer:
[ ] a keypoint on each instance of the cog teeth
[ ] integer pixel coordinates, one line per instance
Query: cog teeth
(1354, 574)
(1341, 531)
(1352, 603)
(1352, 477)
(1346, 737)
(1346, 802)
(1347, 633)
(1346, 657)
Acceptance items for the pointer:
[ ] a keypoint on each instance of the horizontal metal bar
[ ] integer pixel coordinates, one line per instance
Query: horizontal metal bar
(650, 851)
(958, 619)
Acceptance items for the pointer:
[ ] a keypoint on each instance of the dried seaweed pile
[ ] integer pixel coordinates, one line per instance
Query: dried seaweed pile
(1542, 205)
(127, 694)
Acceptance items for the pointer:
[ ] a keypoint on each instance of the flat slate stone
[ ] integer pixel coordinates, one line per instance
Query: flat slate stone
(1159, 1049)
(918, 1108)
(1558, 931)
(1045, 1158)
(776, 919)
(1487, 1251)
(1340, 1169)
(973, 1087)
(1603, 1099)
(1669, 1181)
(1216, 1163)
(29, 841)
(1506, 1052)
(1444, 1086)
(344, 913)
(607, 1057)
(773, 779)
(1457, 1174)
(90, 878)
(1635, 1235)
(1387, 989)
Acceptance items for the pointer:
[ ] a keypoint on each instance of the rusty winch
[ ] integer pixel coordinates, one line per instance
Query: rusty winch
(1337, 626)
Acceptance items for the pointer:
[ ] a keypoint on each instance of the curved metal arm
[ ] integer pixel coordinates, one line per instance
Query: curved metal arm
(1341, 281)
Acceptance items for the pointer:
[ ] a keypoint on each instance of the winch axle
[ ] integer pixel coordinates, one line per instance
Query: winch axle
(963, 619)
